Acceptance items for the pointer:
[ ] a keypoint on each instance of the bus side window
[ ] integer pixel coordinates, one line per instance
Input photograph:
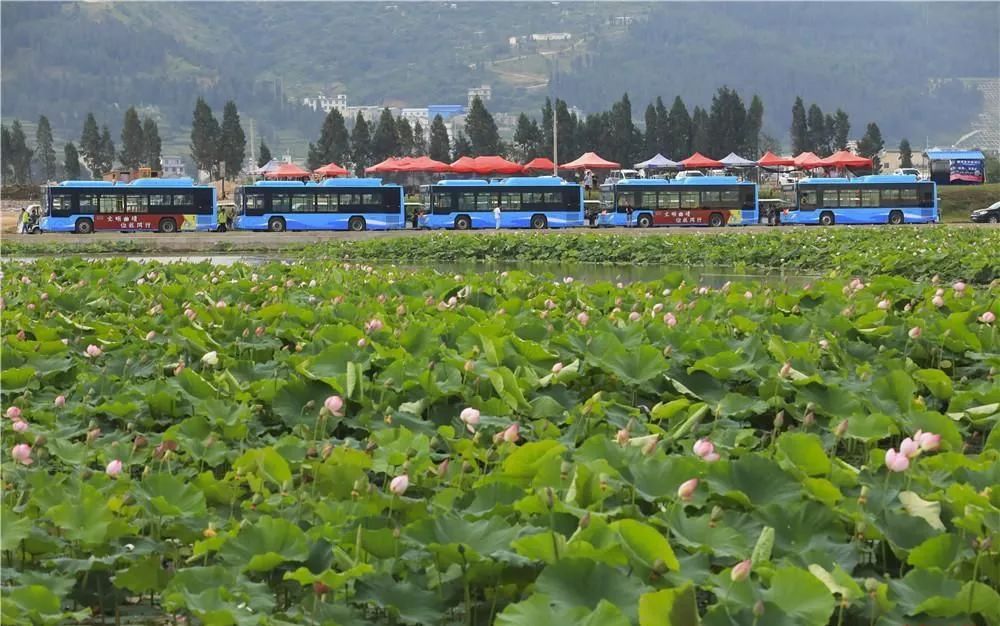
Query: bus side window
(112, 203)
(908, 197)
(442, 202)
(690, 199)
(926, 198)
(89, 203)
(869, 198)
(890, 197)
(390, 200)
(808, 199)
(510, 201)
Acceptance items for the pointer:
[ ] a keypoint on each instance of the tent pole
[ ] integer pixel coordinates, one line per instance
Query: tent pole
(555, 143)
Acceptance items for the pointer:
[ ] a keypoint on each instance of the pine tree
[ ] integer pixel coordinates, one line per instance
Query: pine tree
(205, 138)
(71, 162)
(905, 154)
(90, 145)
(679, 130)
(333, 144)
(152, 146)
(405, 133)
(44, 150)
(440, 144)
(385, 139)
(361, 145)
(547, 116)
(699, 132)
(841, 130)
(871, 144)
(462, 147)
(624, 135)
(755, 122)
(727, 122)
(650, 139)
(21, 154)
(566, 126)
(816, 125)
(419, 139)
(232, 140)
(800, 128)
(527, 138)
(6, 156)
(662, 125)
(484, 138)
(133, 144)
(265, 154)
(106, 153)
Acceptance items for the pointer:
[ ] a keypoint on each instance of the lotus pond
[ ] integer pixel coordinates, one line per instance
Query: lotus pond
(331, 443)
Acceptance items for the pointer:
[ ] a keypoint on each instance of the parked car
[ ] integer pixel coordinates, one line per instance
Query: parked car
(990, 214)
(908, 171)
(690, 174)
(616, 175)
(789, 179)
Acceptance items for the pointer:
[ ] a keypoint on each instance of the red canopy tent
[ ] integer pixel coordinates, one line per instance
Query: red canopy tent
(464, 165)
(288, 171)
(770, 159)
(495, 165)
(843, 158)
(590, 160)
(808, 161)
(698, 161)
(392, 164)
(427, 164)
(330, 169)
(541, 164)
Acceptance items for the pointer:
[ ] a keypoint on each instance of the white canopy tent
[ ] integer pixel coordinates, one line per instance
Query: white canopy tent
(658, 162)
(734, 160)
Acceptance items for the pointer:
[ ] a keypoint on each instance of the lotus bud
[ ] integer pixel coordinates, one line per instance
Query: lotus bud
(512, 433)
(808, 420)
(649, 447)
(21, 453)
(399, 484)
(114, 468)
(442, 468)
(13, 412)
(210, 359)
(758, 608)
(139, 442)
(863, 496)
(549, 498)
(959, 287)
(896, 461)
(715, 517)
(93, 434)
(740, 571)
(603, 481)
(93, 351)
(557, 368)
(779, 419)
(884, 305)
(584, 521)
(871, 585)
(914, 332)
(786, 370)
(622, 436)
(988, 317)
(583, 318)
(686, 490)
(909, 448)
(840, 430)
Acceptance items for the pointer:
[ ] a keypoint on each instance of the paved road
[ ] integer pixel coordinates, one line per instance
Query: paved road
(266, 240)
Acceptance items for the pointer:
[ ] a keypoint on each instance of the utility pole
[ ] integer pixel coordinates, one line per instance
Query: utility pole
(253, 147)
(555, 142)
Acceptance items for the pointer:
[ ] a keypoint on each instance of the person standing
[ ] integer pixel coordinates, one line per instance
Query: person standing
(628, 214)
(496, 216)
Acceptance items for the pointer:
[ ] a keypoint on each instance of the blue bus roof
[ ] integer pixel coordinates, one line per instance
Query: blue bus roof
(162, 182)
(86, 183)
(514, 181)
(697, 180)
(862, 180)
(330, 182)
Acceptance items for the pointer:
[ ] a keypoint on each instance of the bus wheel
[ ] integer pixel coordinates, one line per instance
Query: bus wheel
(36, 231)
(463, 223)
(826, 219)
(356, 224)
(896, 217)
(539, 222)
(168, 225)
(715, 220)
(84, 227)
(645, 221)
(276, 225)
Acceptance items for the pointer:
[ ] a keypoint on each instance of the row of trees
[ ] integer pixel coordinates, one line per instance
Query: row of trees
(812, 131)
(17, 156)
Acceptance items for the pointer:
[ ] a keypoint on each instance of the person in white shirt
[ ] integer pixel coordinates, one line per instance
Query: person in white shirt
(496, 216)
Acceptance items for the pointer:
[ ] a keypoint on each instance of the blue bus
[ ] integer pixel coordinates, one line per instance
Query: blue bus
(335, 204)
(525, 202)
(864, 200)
(700, 201)
(166, 205)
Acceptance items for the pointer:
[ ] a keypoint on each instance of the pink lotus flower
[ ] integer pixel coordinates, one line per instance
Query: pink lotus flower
(740, 571)
(895, 461)
(959, 287)
(512, 433)
(748, 295)
(622, 436)
(557, 368)
(399, 484)
(334, 405)
(221, 304)
(914, 332)
(549, 304)
(20, 426)
(362, 342)
(470, 417)
(928, 442)
(568, 280)
(938, 301)
(60, 401)
(190, 314)
(909, 448)
(114, 468)
(670, 320)
(988, 317)
(884, 305)
(13, 412)
(93, 351)
(703, 447)
(373, 326)
(22, 454)
(686, 491)
(583, 318)
(657, 308)
(634, 316)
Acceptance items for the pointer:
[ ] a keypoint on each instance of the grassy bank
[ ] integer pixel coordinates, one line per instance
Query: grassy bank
(958, 201)
(916, 253)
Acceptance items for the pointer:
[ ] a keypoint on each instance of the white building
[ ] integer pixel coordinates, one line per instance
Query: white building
(485, 92)
(551, 36)
(326, 103)
(171, 167)
(414, 115)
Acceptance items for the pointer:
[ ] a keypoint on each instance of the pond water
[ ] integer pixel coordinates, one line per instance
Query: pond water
(712, 276)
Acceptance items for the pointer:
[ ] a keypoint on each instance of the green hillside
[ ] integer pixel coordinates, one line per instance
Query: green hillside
(875, 60)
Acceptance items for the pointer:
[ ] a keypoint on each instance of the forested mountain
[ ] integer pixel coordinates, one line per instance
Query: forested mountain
(880, 61)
